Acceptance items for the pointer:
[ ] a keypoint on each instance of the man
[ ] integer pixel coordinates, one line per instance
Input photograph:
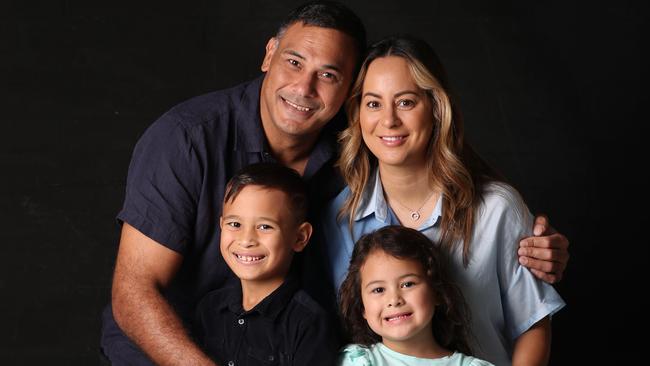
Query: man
(169, 248)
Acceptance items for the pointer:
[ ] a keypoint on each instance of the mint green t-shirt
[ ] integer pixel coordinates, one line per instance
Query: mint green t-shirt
(380, 355)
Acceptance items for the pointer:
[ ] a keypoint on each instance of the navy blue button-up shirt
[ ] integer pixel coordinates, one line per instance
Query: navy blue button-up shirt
(176, 184)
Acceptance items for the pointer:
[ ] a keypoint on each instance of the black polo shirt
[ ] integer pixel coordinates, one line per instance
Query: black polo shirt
(176, 183)
(286, 328)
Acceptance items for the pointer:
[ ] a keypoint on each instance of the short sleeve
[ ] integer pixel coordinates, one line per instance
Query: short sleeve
(355, 355)
(526, 299)
(163, 184)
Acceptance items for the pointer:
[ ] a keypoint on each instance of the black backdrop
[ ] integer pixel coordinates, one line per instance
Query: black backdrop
(553, 94)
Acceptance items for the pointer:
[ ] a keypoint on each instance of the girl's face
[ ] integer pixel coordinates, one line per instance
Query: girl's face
(396, 116)
(398, 302)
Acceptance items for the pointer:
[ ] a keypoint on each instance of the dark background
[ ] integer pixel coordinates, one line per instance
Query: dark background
(554, 94)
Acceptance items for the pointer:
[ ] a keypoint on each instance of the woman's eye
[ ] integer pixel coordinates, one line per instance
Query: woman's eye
(405, 103)
(372, 104)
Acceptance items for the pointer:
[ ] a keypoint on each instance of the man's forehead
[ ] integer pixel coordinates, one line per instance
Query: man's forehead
(301, 38)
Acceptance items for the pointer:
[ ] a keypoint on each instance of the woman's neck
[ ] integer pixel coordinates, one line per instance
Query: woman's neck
(409, 192)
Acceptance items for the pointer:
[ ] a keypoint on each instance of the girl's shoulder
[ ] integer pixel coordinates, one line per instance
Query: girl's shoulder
(355, 355)
(462, 359)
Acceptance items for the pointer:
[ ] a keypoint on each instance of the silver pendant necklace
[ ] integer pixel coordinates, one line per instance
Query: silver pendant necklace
(415, 214)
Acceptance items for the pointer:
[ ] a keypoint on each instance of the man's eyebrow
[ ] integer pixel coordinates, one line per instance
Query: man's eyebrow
(294, 53)
(298, 55)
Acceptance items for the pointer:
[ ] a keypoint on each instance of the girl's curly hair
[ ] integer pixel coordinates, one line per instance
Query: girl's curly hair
(451, 319)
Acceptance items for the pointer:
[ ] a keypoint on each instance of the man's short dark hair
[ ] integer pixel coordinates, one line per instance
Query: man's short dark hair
(273, 176)
(328, 14)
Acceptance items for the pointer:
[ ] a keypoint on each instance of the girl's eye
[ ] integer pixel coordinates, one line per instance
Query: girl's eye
(372, 104)
(408, 284)
(377, 290)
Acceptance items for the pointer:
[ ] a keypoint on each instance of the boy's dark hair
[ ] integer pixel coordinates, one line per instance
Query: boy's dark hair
(328, 14)
(274, 176)
(451, 319)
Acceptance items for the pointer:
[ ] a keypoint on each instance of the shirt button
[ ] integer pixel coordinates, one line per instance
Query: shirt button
(240, 321)
(231, 363)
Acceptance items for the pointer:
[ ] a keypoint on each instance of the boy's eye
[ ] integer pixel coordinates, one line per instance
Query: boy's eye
(377, 290)
(233, 224)
(264, 227)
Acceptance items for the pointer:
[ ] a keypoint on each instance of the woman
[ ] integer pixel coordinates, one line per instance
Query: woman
(406, 162)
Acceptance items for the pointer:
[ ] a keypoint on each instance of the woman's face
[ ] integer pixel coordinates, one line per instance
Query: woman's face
(396, 116)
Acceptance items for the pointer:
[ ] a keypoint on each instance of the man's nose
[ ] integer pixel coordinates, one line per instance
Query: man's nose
(305, 85)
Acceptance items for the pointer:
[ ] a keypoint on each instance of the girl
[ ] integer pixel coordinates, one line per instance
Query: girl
(399, 305)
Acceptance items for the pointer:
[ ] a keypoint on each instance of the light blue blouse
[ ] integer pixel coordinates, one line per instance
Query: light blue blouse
(505, 299)
(380, 355)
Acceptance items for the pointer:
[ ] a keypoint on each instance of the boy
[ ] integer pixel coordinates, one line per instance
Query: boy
(265, 319)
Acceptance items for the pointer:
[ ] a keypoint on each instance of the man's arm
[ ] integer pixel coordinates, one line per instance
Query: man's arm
(143, 268)
(533, 347)
(546, 253)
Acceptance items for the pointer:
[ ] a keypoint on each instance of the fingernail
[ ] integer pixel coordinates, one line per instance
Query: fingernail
(523, 260)
(521, 251)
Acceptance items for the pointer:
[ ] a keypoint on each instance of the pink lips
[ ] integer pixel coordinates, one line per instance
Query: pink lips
(393, 141)
(397, 318)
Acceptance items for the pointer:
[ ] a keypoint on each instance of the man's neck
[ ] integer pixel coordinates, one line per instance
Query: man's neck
(290, 151)
(253, 292)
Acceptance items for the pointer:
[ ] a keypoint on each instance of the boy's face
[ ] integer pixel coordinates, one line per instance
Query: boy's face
(259, 235)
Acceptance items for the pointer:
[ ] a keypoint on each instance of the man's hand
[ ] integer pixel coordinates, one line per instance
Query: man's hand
(546, 253)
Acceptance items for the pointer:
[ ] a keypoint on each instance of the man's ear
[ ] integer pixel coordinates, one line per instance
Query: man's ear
(303, 235)
(271, 46)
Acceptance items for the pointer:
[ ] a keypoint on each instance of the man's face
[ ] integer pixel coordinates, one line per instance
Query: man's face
(309, 71)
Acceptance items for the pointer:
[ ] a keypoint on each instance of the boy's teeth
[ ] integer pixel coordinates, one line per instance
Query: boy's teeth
(249, 258)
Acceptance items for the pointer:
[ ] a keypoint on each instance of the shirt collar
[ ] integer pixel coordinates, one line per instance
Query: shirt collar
(374, 202)
(270, 306)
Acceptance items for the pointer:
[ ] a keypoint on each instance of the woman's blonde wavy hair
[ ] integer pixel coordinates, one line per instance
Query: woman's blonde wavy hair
(454, 168)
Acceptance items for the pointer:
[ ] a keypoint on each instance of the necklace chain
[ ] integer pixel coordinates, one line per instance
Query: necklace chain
(415, 214)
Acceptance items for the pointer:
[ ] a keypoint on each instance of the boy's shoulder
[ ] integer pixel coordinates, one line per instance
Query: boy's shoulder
(303, 306)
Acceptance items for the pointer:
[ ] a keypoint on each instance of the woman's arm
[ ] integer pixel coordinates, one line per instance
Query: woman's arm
(533, 347)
